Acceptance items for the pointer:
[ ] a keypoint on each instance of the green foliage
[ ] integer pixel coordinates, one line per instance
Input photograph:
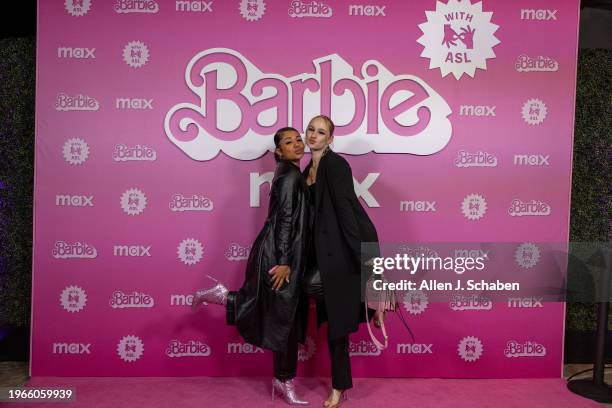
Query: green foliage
(591, 201)
(17, 79)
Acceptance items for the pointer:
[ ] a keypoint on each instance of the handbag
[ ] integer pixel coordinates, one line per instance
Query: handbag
(382, 301)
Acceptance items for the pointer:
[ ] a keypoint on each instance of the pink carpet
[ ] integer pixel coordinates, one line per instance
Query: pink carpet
(204, 392)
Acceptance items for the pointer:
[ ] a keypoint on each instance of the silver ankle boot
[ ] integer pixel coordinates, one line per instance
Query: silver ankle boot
(215, 295)
(286, 390)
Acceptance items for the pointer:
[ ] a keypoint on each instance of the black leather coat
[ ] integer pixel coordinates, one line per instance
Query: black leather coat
(264, 317)
(340, 226)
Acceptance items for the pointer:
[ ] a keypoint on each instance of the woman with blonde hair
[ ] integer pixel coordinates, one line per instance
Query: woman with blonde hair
(340, 225)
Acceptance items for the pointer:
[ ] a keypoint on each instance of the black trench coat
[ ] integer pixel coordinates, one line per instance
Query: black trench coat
(263, 316)
(340, 226)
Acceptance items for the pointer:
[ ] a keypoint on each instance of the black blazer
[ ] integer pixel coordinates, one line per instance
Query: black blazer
(340, 226)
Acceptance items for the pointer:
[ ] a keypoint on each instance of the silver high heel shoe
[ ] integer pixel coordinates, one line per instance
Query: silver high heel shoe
(286, 390)
(215, 295)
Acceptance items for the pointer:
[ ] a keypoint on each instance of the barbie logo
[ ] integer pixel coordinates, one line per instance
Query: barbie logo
(193, 203)
(64, 250)
(527, 349)
(65, 103)
(121, 300)
(478, 159)
(525, 63)
(135, 153)
(192, 348)
(235, 252)
(473, 302)
(416, 251)
(136, 6)
(519, 208)
(238, 107)
(363, 348)
(309, 9)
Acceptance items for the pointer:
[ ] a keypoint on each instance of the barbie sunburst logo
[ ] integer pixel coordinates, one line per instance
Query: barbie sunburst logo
(307, 350)
(470, 348)
(77, 8)
(130, 348)
(73, 298)
(527, 255)
(75, 151)
(252, 10)
(133, 201)
(458, 37)
(415, 302)
(238, 106)
(190, 251)
(136, 54)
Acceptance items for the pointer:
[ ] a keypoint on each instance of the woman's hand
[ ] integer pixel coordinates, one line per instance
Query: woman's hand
(379, 317)
(280, 274)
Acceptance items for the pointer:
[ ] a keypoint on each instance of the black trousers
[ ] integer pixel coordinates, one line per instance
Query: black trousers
(340, 363)
(338, 348)
(285, 362)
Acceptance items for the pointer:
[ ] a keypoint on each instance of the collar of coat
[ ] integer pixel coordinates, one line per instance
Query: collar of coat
(324, 164)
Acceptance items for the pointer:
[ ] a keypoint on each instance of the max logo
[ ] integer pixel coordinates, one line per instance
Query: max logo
(362, 189)
(238, 107)
(78, 53)
(71, 348)
(531, 14)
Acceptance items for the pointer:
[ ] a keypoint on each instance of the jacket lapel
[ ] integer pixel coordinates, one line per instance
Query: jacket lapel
(306, 170)
(321, 180)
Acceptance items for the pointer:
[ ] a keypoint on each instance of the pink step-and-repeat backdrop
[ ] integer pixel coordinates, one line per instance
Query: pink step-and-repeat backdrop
(154, 124)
